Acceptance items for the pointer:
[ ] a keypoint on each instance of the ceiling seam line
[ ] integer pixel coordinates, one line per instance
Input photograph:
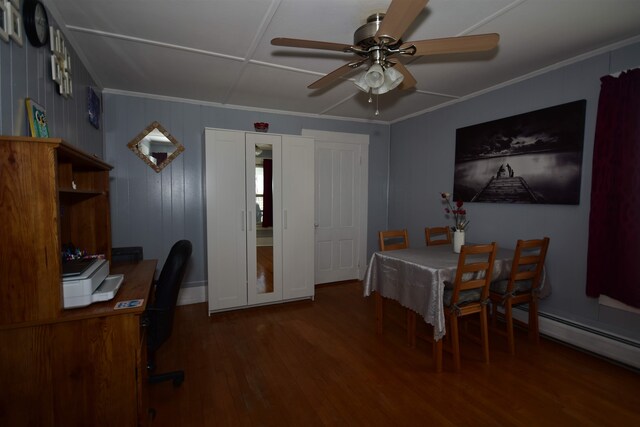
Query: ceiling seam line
(154, 43)
(444, 95)
(491, 17)
(331, 107)
(266, 20)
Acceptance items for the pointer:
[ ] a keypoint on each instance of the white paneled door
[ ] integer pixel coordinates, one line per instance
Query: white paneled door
(297, 217)
(340, 204)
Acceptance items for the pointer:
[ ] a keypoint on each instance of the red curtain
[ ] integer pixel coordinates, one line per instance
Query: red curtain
(267, 211)
(614, 233)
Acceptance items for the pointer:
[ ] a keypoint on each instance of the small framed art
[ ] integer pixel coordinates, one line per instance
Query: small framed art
(37, 119)
(4, 22)
(15, 24)
(56, 71)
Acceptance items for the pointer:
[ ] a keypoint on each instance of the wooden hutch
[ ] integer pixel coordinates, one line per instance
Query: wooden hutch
(84, 366)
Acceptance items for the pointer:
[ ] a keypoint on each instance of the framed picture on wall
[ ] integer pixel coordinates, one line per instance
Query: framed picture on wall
(534, 157)
(37, 119)
(15, 24)
(4, 22)
(93, 107)
(56, 71)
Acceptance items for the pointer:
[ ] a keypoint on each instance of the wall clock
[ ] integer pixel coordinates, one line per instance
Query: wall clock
(36, 22)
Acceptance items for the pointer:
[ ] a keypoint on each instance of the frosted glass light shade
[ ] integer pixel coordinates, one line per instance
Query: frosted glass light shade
(374, 77)
(392, 78)
(361, 82)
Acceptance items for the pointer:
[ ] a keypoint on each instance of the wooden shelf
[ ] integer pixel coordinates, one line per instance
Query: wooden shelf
(42, 212)
(53, 195)
(75, 191)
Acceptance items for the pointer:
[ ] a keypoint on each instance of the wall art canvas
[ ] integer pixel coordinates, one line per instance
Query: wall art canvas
(534, 157)
(37, 119)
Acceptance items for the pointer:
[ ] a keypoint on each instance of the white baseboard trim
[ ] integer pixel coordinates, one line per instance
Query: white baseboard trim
(192, 295)
(616, 348)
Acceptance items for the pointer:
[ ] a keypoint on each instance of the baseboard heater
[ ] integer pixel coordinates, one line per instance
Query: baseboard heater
(610, 346)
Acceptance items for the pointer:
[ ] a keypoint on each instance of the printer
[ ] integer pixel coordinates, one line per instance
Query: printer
(87, 281)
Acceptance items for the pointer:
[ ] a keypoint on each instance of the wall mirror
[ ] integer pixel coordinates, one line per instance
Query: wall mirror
(156, 146)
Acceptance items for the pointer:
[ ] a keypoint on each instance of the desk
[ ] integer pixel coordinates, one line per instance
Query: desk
(86, 366)
(415, 278)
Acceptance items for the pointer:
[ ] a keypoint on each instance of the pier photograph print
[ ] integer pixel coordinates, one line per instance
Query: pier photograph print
(535, 157)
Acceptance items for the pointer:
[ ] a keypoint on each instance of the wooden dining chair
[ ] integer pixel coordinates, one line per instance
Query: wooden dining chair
(522, 287)
(390, 240)
(469, 294)
(437, 236)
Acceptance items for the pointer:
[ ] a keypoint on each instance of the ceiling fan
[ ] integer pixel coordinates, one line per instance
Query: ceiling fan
(378, 43)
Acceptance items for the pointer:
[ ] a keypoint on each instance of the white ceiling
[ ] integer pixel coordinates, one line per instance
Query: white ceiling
(219, 51)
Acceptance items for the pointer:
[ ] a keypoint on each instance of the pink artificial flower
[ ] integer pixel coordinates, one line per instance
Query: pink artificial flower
(460, 222)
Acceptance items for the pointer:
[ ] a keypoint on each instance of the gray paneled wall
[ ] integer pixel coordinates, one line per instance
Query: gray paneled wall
(25, 72)
(421, 166)
(154, 210)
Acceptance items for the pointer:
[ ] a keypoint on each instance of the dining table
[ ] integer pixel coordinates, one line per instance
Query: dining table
(416, 278)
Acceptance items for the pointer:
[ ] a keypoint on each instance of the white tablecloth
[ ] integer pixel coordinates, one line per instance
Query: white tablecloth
(415, 277)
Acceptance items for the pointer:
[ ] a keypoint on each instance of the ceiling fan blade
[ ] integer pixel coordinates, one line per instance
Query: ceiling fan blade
(399, 16)
(460, 44)
(309, 44)
(409, 81)
(335, 74)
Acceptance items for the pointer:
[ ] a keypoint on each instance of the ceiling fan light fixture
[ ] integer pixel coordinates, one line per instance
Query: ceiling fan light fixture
(361, 82)
(392, 78)
(374, 77)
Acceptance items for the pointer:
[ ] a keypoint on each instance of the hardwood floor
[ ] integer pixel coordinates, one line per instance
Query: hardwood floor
(320, 363)
(264, 260)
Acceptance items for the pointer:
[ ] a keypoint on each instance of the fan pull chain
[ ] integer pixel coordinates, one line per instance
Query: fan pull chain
(370, 98)
(377, 112)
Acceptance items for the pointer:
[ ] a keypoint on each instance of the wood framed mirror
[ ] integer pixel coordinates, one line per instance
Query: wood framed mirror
(156, 146)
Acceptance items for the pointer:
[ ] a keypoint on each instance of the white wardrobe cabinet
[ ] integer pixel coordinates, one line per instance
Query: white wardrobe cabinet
(259, 191)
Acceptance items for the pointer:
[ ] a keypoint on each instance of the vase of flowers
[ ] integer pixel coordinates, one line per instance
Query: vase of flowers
(460, 220)
(458, 240)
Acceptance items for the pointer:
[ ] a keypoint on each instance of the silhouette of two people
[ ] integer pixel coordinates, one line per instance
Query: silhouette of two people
(502, 172)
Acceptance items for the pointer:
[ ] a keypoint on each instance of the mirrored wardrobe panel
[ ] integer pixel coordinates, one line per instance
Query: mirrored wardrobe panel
(264, 264)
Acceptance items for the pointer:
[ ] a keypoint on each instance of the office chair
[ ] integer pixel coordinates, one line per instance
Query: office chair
(158, 318)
